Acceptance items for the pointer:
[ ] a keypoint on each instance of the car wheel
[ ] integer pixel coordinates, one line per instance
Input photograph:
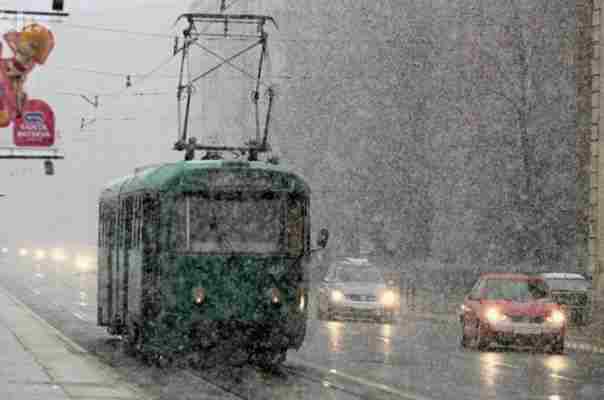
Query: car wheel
(481, 342)
(558, 345)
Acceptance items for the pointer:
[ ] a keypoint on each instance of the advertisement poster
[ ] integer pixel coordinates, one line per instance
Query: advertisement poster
(31, 120)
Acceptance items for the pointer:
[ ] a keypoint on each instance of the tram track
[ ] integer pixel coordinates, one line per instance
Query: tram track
(248, 383)
(336, 378)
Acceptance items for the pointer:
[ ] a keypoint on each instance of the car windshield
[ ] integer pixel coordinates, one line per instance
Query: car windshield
(515, 290)
(568, 284)
(359, 275)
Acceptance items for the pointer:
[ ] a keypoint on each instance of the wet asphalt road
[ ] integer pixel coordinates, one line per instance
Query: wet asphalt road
(411, 359)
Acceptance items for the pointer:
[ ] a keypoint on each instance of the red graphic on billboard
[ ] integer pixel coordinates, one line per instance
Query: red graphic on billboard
(36, 125)
(31, 46)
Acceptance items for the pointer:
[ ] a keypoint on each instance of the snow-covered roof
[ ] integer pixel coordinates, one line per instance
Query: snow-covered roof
(561, 275)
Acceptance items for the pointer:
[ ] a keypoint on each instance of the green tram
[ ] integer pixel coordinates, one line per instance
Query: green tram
(206, 260)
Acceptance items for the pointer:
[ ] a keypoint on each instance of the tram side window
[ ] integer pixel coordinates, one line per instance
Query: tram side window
(106, 225)
(151, 220)
(141, 222)
(134, 222)
(127, 222)
(101, 236)
(104, 222)
(295, 226)
(137, 222)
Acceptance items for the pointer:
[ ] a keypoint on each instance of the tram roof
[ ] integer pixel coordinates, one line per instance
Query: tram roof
(169, 176)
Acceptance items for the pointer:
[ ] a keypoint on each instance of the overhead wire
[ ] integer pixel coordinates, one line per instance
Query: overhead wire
(120, 31)
(143, 76)
(130, 85)
(107, 73)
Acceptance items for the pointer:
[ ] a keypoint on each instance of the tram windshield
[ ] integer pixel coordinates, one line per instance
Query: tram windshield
(234, 222)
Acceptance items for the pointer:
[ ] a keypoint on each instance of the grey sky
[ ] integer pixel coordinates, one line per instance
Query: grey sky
(138, 130)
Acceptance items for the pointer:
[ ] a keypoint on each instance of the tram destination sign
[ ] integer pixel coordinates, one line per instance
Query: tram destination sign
(241, 180)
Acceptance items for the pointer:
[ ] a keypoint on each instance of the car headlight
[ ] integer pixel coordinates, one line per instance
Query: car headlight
(494, 315)
(388, 298)
(59, 255)
(40, 254)
(337, 296)
(83, 262)
(556, 317)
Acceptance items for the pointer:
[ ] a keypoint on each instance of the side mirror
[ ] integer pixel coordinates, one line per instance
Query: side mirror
(323, 238)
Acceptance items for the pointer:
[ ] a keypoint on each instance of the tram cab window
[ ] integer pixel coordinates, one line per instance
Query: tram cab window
(230, 222)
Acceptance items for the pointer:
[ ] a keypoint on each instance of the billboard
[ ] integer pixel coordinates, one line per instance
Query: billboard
(36, 127)
(32, 120)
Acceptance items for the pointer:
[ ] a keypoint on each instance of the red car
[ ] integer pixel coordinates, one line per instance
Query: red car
(511, 309)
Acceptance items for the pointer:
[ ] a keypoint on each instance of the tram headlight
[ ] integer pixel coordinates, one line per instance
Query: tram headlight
(337, 296)
(275, 296)
(301, 300)
(199, 295)
(4, 250)
(388, 298)
(23, 252)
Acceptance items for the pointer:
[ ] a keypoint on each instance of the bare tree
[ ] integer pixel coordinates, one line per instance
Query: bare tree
(514, 76)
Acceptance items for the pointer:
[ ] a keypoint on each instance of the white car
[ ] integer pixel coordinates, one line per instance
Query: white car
(353, 288)
(572, 292)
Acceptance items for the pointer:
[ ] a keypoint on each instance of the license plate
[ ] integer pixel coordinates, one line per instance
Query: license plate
(527, 330)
